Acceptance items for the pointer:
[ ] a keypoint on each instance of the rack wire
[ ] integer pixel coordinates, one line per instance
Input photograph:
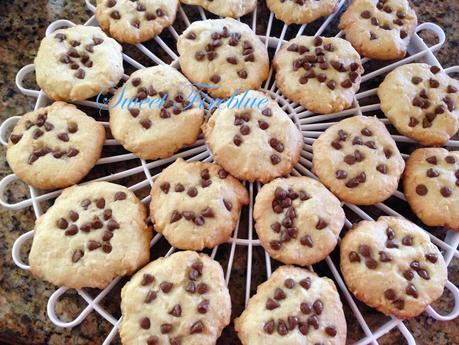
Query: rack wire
(311, 125)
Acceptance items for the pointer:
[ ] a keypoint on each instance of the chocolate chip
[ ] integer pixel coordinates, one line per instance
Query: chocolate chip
(15, 138)
(421, 189)
(432, 160)
(346, 84)
(408, 275)
(416, 80)
(306, 308)
(403, 34)
(435, 69)
(390, 295)
(354, 257)
(314, 321)
(203, 306)
(93, 245)
(237, 140)
(77, 255)
(176, 310)
(107, 236)
(371, 263)
(197, 327)
(152, 340)
(275, 159)
(166, 328)
(423, 274)
(165, 186)
(267, 112)
(365, 250)
(331, 331)
(166, 286)
(80, 74)
(384, 257)
(336, 145)
(321, 224)
(140, 7)
(269, 327)
(292, 322)
(451, 89)
(175, 216)
(306, 240)
(434, 83)
(431, 257)
(37, 133)
(331, 84)
(199, 220)
(275, 245)
(160, 12)
(72, 230)
(60, 37)
(365, 14)
(306, 283)
(374, 21)
(411, 291)
(349, 159)
(352, 183)
(446, 192)
(215, 78)
(62, 223)
(100, 203)
(228, 204)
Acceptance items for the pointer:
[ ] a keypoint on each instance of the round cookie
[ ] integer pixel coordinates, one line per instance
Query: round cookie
(54, 147)
(293, 307)
(379, 29)
(301, 11)
(77, 63)
(431, 186)
(427, 102)
(133, 21)
(320, 73)
(180, 299)
(196, 205)
(392, 266)
(92, 234)
(163, 120)
(224, 55)
(292, 223)
(255, 144)
(358, 160)
(225, 8)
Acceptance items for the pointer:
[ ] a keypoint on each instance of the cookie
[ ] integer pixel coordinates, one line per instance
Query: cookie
(54, 147)
(292, 223)
(163, 120)
(225, 8)
(379, 29)
(431, 186)
(180, 299)
(301, 11)
(223, 54)
(196, 205)
(358, 160)
(92, 234)
(320, 73)
(392, 266)
(427, 102)
(293, 307)
(133, 21)
(77, 63)
(255, 144)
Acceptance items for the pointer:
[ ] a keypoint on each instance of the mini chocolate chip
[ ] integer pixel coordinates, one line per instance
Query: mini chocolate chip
(365, 250)
(237, 140)
(77, 255)
(60, 37)
(292, 322)
(289, 283)
(450, 160)
(451, 89)
(267, 112)
(411, 291)
(160, 12)
(382, 168)
(166, 328)
(62, 223)
(314, 321)
(306, 240)
(15, 138)
(432, 173)
(275, 159)
(403, 34)
(421, 189)
(269, 327)
(275, 245)
(374, 21)
(93, 245)
(354, 257)
(140, 7)
(446, 192)
(37, 133)
(107, 236)
(390, 295)
(203, 306)
(165, 186)
(416, 80)
(228, 204)
(435, 69)
(434, 83)
(282, 327)
(384, 257)
(215, 78)
(321, 224)
(100, 203)
(175, 216)
(306, 283)
(176, 310)
(166, 286)
(346, 84)
(192, 192)
(199, 220)
(413, 122)
(306, 308)
(331, 331)
(72, 230)
(423, 274)
(80, 74)
(152, 340)
(408, 275)
(371, 263)
(431, 257)
(197, 327)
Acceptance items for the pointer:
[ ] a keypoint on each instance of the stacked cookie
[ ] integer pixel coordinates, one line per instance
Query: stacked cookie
(99, 229)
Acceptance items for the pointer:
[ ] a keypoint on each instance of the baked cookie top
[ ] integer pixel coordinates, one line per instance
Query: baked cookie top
(301, 11)
(77, 63)
(292, 223)
(55, 146)
(92, 234)
(320, 73)
(293, 307)
(379, 29)
(180, 299)
(431, 186)
(422, 102)
(196, 205)
(163, 119)
(225, 8)
(392, 266)
(225, 54)
(358, 160)
(256, 143)
(134, 21)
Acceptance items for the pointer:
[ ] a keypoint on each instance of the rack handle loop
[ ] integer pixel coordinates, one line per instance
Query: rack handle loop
(17, 246)
(20, 76)
(454, 313)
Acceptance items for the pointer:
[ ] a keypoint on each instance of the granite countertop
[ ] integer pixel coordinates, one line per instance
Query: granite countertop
(23, 299)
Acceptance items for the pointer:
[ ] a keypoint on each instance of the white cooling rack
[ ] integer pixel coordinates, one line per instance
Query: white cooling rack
(311, 126)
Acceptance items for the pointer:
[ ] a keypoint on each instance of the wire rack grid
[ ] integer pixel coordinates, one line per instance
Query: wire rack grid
(311, 125)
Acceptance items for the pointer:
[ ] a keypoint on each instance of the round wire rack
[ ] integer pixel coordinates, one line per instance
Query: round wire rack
(311, 125)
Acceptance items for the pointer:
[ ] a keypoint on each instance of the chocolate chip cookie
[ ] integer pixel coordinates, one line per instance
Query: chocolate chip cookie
(379, 29)
(427, 103)
(55, 146)
(320, 73)
(166, 117)
(225, 8)
(92, 234)
(431, 186)
(358, 160)
(135, 21)
(292, 223)
(294, 306)
(223, 55)
(301, 11)
(392, 266)
(196, 205)
(77, 63)
(254, 143)
(180, 299)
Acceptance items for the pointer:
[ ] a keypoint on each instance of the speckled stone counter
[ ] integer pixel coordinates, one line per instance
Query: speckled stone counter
(23, 299)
